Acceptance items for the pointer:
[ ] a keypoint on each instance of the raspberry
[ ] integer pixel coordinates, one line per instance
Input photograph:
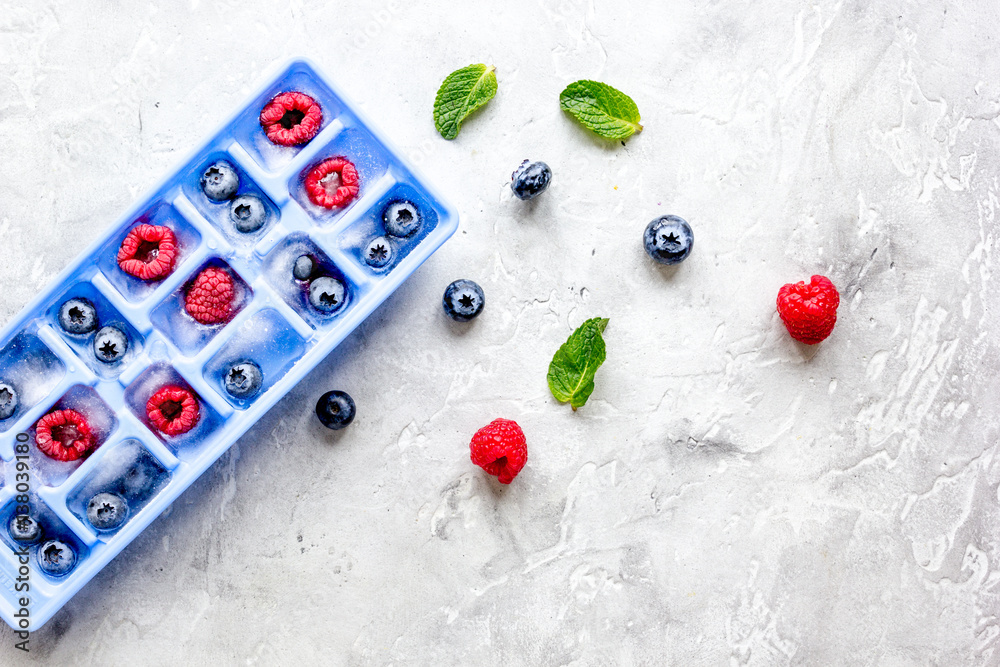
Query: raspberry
(291, 119)
(173, 410)
(64, 435)
(210, 298)
(332, 183)
(809, 311)
(148, 252)
(499, 448)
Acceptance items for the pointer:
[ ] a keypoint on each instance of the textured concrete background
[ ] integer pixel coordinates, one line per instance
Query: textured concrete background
(727, 497)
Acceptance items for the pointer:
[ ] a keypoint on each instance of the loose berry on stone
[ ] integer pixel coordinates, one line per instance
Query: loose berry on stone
(500, 449)
(809, 311)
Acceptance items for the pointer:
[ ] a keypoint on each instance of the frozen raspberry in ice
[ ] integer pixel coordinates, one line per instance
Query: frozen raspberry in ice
(291, 119)
(332, 183)
(148, 252)
(173, 410)
(64, 435)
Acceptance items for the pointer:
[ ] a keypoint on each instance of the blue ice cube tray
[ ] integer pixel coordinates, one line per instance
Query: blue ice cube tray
(276, 327)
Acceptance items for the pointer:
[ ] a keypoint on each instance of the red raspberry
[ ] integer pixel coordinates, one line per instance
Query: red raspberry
(148, 252)
(291, 119)
(64, 435)
(173, 410)
(500, 449)
(809, 311)
(332, 183)
(210, 298)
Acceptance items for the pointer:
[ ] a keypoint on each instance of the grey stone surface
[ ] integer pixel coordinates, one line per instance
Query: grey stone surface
(727, 497)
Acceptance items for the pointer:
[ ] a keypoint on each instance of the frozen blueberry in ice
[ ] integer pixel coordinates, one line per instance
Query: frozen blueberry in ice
(220, 181)
(335, 409)
(401, 218)
(8, 401)
(56, 558)
(303, 267)
(463, 300)
(77, 316)
(327, 294)
(110, 344)
(244, 379)
(668, 239)
(248, 213)
(378, 253)
(107, 511)
(530, 179)
(23, 528)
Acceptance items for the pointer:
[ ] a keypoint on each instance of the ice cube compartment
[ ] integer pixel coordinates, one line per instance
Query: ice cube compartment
(282, 323)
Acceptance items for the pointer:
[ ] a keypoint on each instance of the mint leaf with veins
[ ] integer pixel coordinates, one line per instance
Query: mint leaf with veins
(462, 92)
(603, 110)
(571, 373)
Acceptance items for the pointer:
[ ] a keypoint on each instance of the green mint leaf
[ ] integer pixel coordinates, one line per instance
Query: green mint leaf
(571, 373)
(462, 92)
(603, 110)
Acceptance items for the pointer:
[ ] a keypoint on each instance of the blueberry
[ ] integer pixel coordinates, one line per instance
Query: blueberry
(401, 218)
(56, 558)
(303, 267)
(110, 344)
(77, 316)
(8, 401)
(378, 253)
(248, 213)
(23, 528)
(244, 379)
(335, 409)
(668, 239)
(327, 294)
(107, 511)
(530, 179)
(463, 300)
(220, 181)
(141, 478)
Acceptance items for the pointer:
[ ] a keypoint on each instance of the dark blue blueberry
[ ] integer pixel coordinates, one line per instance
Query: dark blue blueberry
(107, 511)
(401, 218)
(303, 267)
(335, 409)
(56, 558)
(110, 344)
(530, 179)
(463, 300)
(220, 181)
(327, 294)
(77, 316)
(378, 252)
(22, 528)
(248, 213)
(8, 401)
(668, 239)
(244, 379)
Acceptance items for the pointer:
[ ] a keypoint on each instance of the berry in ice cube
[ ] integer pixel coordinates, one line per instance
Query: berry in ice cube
(77, 316)
(110, 344)
(220, 181)
(401, 218)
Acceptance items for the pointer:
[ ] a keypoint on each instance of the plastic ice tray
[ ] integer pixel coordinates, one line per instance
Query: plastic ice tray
(276, 327)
